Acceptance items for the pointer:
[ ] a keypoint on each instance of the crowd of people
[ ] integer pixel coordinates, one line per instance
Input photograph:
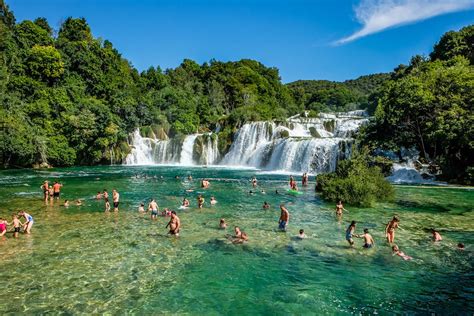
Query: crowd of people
(53, 192)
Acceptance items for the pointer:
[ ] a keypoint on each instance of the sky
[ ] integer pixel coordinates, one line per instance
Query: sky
(317, 39)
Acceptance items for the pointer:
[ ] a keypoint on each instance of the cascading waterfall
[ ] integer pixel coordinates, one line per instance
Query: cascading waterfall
(298, 144)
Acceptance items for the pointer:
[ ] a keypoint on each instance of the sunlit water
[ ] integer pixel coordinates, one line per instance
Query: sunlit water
(82, 260)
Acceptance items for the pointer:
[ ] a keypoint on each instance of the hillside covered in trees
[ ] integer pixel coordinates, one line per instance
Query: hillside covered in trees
(68, 98)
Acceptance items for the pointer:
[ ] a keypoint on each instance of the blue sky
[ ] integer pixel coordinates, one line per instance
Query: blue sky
(327, 39)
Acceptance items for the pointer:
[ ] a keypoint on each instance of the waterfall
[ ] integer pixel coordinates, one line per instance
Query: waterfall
(187, 150)
(298, 145)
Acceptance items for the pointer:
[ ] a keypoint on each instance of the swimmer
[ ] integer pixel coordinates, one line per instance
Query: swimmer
(78, 202)
(368, 240)
(16, 225)
(185, 202)
(436, 235)
(66, 203)
(57, 190)
(301, 235)
(461, 246)
(251, 192)
(284, 218)
(29, 221)
(237, 232)
(265, 205)
(45, 188)
(276, 192)
(98, 196)
(390, 229)
(398, 252)
(174, 224)
(205, 184)
(153, 207)
(176, 177)
(115, 198)
(3, 227)
(243, 238)
(166, 212)
(213, 200)
(254, 182)
(200, 201)
(190, 178)
(350, 232)
(141, 208)
(222, 224)
(263, 191)
(107, 205)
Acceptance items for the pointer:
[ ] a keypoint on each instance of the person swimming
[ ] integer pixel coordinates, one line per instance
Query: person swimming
(301, 235)
(265, 205)
(398, 252)
(222, 224)
(237, 232)
(185, 202)
(66, 203)
(461, 246)
(78, 202)
(350, 232)
(213, 200)
(390, 229)
(243, 238)
(254, 182)
(99, 195)
(141, 208)
(436, 235)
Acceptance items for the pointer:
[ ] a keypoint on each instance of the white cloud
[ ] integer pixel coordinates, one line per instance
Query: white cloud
(378, 15)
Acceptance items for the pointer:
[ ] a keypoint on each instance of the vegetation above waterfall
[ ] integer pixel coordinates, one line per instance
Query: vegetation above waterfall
(357, 181)
(429, 105)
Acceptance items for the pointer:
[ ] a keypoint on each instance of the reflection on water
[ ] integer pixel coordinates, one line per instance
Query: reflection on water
(82, 260)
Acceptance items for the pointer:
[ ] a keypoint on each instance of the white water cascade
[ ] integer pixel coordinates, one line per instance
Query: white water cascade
(187, 150)
(296, 145)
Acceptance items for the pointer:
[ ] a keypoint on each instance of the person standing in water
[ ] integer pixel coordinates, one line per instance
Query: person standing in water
(116, 200)
(106, 195)
(368, 240)
(339, 208)
(174, 224)
(304, 180)
(254, 182)
(29, 221)
(185, 202)
(153, 207)
(3, 227)
(390, 229)
(16, 225)
(350, 232)
(45, 188)
(56, 190)
(200, 201)
(284, 218)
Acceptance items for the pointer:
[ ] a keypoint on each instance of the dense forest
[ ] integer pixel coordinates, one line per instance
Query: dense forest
(68, 98)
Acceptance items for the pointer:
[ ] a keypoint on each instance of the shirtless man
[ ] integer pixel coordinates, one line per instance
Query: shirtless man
(368, 240)
(153, 207)
(200, 201)
(390, 229)
(116, 200)
(284, 218)
(436, 235)
(29, 221)
(350, 233)
(45, 188)
(56, 190)
(174, 224)
(105, 195)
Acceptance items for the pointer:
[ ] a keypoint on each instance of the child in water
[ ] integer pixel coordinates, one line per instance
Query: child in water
(436, 235)
(213, 200)
(3, 227)
(16, 225)
(398, 252)
(301, 235)
(141, 208)
(66, 203)
(107, 205)
(222, 224)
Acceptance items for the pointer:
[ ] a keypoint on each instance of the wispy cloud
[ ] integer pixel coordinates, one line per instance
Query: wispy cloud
(378, 15)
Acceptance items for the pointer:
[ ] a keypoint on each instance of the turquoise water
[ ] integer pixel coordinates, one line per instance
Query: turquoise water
(81, 260)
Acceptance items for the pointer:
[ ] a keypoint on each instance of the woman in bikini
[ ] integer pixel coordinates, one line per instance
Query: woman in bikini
(390, 229)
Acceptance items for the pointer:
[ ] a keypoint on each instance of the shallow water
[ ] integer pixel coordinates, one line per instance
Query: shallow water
(81, 260)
